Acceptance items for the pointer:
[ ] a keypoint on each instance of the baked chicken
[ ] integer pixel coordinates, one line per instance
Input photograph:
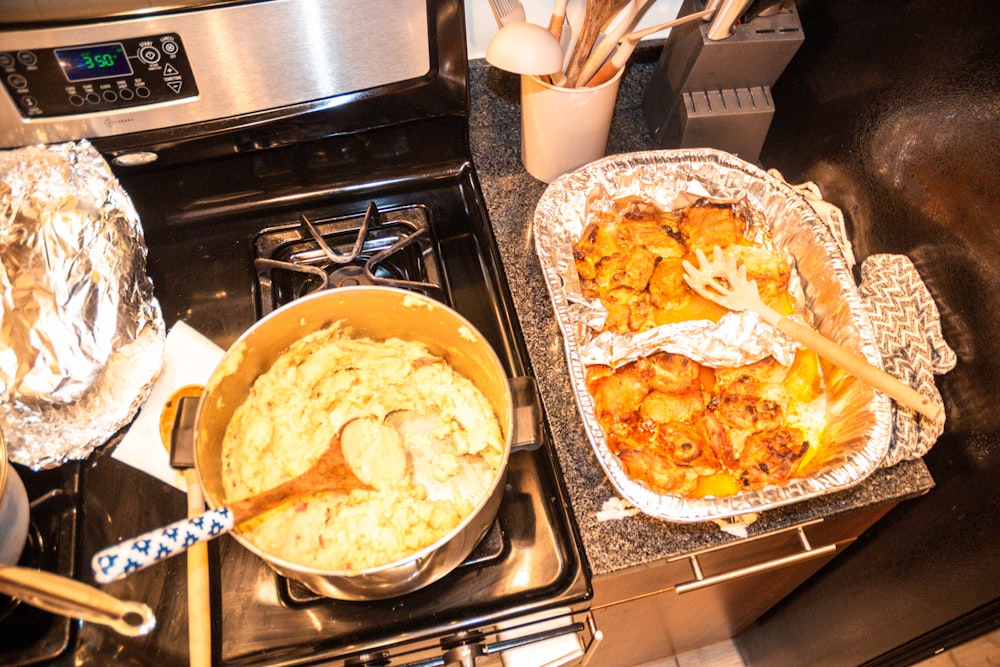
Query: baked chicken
(676, 425)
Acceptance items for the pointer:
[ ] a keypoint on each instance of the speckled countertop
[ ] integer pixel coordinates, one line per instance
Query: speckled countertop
(511, 195)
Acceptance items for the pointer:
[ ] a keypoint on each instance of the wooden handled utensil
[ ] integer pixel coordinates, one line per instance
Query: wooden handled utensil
(558, 18)
(595, 17)
(738, 293)
(623, 23)
(177, 422)
(625, 48)
(329, 473)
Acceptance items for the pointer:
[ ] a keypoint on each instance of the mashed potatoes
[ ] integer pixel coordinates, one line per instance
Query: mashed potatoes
(292, 412)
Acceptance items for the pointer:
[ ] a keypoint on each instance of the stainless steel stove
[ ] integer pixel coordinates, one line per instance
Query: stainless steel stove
(348, 180)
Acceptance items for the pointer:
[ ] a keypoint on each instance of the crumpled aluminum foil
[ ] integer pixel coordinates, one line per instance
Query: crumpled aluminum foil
(81, 336)
(860, 424)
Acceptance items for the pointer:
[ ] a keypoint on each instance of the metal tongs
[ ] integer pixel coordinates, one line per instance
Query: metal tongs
(68, 597)
(725, 282)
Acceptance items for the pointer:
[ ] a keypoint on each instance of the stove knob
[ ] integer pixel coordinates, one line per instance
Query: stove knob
(380, 659)
(464, 655)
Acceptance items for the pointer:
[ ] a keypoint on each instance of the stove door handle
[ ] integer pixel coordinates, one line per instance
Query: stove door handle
(527, 428)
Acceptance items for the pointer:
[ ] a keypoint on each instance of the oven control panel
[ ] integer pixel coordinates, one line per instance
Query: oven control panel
(86, 78)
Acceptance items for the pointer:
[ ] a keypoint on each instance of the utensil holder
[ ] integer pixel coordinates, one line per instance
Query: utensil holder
(716, 93)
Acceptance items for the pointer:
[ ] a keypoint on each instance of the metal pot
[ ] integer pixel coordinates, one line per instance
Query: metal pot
(13, 510)
(378, 313)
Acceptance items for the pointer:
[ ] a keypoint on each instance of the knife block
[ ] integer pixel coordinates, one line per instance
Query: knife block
(707, 93)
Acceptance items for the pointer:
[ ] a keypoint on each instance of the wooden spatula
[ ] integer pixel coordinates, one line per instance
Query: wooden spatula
(738, 293)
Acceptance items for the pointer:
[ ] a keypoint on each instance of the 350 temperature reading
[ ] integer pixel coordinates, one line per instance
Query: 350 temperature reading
(94, 62)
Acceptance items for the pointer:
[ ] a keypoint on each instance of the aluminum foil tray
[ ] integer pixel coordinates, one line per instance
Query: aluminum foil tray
(860, 419)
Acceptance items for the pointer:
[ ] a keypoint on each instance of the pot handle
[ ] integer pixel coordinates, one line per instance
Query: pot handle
(159, 544)
(528, 432)
(68, 597)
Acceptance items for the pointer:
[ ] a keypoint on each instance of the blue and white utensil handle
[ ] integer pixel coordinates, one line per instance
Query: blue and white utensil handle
(139, 552)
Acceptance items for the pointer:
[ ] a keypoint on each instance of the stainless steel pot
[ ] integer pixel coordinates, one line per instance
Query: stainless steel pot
(13, 510)
(378, 313)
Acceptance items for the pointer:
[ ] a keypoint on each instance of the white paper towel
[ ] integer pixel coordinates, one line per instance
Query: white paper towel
(559, 650)
(190, 359)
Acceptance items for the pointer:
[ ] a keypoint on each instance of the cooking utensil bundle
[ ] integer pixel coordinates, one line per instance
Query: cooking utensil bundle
(605, 40)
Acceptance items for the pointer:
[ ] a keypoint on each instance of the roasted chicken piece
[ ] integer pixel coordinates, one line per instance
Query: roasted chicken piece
(674, 300)
(658, 235)
(671, 456)
(667, 288)
(617, 394)
(601, 238)
(671, 373)
(704, 227)
(632, 270)
(770, 456)
(770, 270)
(658, 472)
(628, 310)
(747, 406)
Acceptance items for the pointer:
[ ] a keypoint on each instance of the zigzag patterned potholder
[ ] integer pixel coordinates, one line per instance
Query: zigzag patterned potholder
(907, 329)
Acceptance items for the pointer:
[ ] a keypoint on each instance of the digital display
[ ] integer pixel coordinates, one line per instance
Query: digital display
(94, 62)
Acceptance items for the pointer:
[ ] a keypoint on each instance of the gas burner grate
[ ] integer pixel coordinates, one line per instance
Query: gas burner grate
(391, 248)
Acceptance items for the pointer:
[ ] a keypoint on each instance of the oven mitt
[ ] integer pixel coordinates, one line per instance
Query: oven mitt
(908, 334)
(907, 329)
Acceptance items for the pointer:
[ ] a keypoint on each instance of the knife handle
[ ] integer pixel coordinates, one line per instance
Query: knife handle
(126, 557)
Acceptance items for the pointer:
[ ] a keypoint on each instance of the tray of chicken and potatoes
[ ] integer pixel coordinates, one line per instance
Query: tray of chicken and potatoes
(693, 411)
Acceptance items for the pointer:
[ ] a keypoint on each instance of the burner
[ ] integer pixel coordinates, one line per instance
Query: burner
(29, 635)
(392, 249)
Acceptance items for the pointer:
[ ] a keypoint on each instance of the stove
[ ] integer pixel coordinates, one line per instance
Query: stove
(343, 182)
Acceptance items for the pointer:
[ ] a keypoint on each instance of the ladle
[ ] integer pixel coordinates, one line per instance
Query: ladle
(329, 473)
(525, 48)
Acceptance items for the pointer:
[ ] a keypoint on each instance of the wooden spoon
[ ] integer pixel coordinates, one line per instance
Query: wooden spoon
(596, 15)
(740, 293)
(329, 473)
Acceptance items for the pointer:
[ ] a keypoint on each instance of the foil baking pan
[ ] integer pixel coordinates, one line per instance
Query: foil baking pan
(860, 420)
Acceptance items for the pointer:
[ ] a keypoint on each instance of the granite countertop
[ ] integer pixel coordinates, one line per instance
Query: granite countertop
(511, 195)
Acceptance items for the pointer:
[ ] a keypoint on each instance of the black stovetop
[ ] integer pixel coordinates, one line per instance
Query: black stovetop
(201, 263)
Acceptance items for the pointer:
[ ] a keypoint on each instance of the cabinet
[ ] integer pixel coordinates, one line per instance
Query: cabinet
(692, 600)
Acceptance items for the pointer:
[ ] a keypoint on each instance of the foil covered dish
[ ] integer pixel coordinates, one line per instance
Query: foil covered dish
(695, 412)
(81, 335)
